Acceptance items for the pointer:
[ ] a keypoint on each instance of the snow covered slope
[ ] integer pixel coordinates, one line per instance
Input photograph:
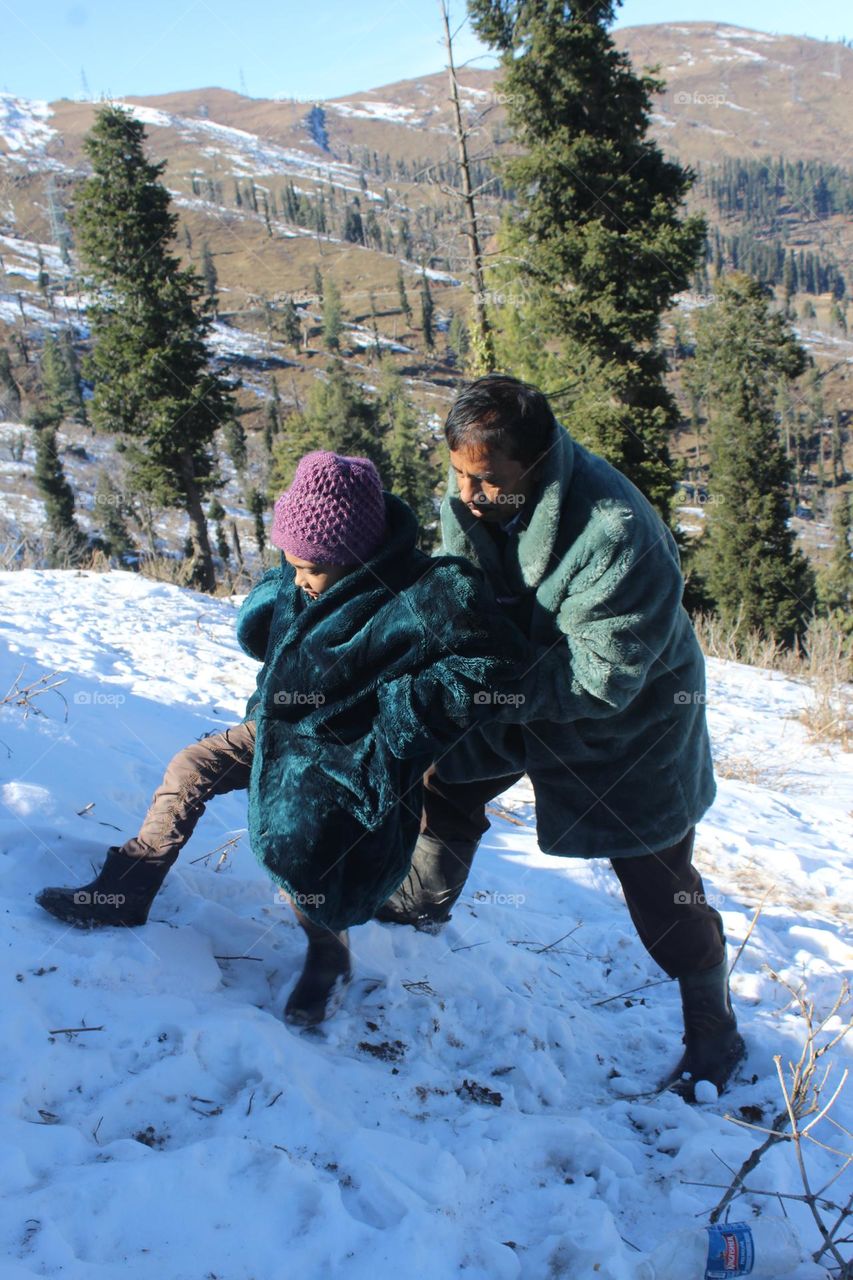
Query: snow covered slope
(471, 1110)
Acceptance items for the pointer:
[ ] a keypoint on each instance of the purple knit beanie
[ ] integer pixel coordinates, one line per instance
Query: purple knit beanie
(333, 512)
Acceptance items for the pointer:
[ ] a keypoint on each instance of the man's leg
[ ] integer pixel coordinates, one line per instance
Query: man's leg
(452, 824)
(685, 935)
(666, 898)
(132, 874)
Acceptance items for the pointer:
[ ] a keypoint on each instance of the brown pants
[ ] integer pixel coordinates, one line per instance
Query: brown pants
(214, 766)
(663, 891)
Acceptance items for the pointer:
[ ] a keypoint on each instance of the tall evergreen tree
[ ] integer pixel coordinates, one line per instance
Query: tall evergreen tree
(427, 312)
(209, 274)
(10, 392)
(410, 472)
(257, 505)
(291, 326)
(748, 554)
(153, 385)
(272, 417)
(235, 443)
(64, 539)
(405, 305)
(216, 512)
(600, 239)
(332, 316)
(60, 380)
(109, 511)
(835, 583)
(338, 416)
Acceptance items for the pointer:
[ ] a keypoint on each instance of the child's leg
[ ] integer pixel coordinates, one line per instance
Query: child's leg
(214, 766)
(327, 966)
(129, 880)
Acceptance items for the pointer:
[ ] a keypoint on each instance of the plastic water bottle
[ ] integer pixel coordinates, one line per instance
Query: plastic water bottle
(766, 1249)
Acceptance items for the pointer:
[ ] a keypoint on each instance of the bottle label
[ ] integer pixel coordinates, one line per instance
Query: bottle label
(730, 1251)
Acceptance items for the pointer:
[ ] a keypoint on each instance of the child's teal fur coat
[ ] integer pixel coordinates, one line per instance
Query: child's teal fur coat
(359, 692)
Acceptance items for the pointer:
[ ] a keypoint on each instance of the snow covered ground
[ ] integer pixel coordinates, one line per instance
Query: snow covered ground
(471, 1110)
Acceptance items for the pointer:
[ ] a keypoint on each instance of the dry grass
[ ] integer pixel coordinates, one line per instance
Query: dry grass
(824, 659)
(776, 777)
(829, 715)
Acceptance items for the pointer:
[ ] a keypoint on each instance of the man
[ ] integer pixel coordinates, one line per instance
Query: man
(609, 719)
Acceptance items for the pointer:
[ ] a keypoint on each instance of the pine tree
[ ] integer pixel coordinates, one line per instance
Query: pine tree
(235, 443)
(410, 473)
(405, 305)
(318, 283)
(353, 226)
(257, 505)
(10, 392)
(64, 538)
(600, 238)
(376, 348)
(291, 326)
(43, 276)
(748, 554)
(457, 339)
(60, 380)
(836, 582)
(115, 536)
(208, 271)
(338, 416)
(332, 316)
(153, 386)
(216, 513)
(272, 417)
(427, 311)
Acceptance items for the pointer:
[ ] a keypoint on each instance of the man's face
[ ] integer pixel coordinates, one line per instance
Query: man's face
(492, 486)
(314, 579)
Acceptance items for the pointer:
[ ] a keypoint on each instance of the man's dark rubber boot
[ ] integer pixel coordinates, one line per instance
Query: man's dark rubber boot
(326, 972)
(436, 879)
(713, 1046)
(121, 893)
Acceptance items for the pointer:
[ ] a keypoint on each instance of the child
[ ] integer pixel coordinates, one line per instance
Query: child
(376, 659)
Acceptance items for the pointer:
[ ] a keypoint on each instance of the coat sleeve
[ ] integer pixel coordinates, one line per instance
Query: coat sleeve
(615, 618)
(468, 652)
(253, 627)
(255, 616)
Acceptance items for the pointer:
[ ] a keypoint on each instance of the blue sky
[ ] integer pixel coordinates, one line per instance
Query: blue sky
(268, 48)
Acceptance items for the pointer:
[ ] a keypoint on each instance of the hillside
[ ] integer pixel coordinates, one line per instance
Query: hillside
(483, 1103)
(256, 181)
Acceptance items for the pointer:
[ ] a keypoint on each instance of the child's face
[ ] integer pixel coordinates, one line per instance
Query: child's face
(314, 579)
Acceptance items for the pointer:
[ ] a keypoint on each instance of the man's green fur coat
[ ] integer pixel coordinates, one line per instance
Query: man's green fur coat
(360, 690)
(611, 729)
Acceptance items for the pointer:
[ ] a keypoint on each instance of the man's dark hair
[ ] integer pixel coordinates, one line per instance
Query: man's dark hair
(501, 412)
